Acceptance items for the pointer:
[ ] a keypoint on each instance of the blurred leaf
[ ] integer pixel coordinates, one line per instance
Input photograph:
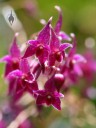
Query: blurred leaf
(60, 123)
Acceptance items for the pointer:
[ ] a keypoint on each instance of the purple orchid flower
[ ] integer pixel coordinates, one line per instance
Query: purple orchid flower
(49, 95)
(57, 49)
(74, 59)
(89, 68)
(57, 29)
(22, 80)
(71, 69)
(89, 71)
(40, 46)
(12, 60)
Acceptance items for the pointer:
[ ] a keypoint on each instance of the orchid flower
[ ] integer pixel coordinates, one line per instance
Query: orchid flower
(57, 49)
(23, 79)
(71, 68)
(40, 46)
(12, 60)
(49, 95)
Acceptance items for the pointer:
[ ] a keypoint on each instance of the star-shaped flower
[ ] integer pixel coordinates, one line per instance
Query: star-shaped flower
(71, 68)
(12, 60)
(57, 49)
(49, 95)
(40, 46)
(22, 79)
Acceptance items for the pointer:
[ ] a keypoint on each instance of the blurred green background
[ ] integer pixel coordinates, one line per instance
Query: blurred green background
(79, 17)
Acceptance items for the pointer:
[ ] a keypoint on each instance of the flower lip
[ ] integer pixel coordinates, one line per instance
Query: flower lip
(71, 64)
(24, 76)
(15, 64)
(39, 50)
(58, 56)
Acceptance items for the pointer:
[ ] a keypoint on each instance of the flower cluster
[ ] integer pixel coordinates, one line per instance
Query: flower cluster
(46, 60)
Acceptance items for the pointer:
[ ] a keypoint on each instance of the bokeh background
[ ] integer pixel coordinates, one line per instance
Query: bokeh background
(79, 17)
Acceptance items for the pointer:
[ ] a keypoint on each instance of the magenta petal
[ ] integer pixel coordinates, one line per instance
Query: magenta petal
(44, 35)
(29, 51)
(40, 100)
(64, 36)
(15, 87)
(44, 56)
(8, 69)
(6, 58)
(78, 70)
(12, 86)
(79, 58)
(41, 92)
(14, 74)
(14, 50)
(51, 61)
(24, 66)
(54, 43)
(49, 85)
(56, 94)
(64, 46)
(33, 86)
(30, 77)
(73, 49)
(56, 103)
(59, 22)
(33, 42)
(19, 86)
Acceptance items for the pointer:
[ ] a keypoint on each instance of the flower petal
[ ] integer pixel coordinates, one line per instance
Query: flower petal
(29, 51)
(51, 60)
(44, 56)
(79, 58)
(64, 46)
(56, 103)
(44, 35)
(33, 42)
(40, 100)
(78, 70)
(64, 36)
(59, 22)
(24, 66)
(56, 94)
(6, 58)
(54, 43)
(14, 74)
(32, 87)
(19, 86)
(73, 49)
(14, 50)
(49, 85)
(12, 86)
(41, 92)
(8, 69)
